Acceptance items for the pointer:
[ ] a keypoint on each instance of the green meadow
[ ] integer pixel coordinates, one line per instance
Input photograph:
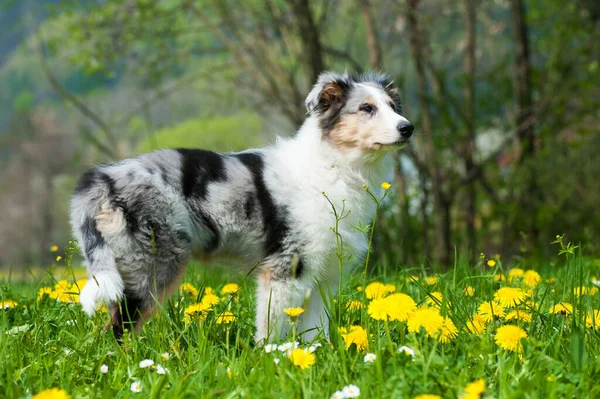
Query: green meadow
(489, 329)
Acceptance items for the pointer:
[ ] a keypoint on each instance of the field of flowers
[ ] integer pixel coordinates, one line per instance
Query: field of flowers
(489, 330)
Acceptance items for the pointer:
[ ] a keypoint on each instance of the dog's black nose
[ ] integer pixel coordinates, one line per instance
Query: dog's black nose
(406, 129)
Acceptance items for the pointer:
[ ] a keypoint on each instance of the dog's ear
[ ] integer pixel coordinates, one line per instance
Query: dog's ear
(329, 92)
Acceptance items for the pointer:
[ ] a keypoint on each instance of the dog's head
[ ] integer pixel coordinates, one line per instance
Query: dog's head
(359, 114)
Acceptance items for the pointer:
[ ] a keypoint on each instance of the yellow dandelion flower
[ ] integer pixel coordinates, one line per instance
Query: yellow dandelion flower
(79, 284)
(411, 279)
(293, 312)
(355, 305)
(518, 315)
(385, 185)
(489, 310)
(210, 299)
(491, 263)
(54, 248)
(592, 319)
(469, 291)
(58, 258)
(449, 331)
(8, 304)
(43, 292)
(531, 278)
(474, 390)
(400, 306)
(355, 335)
(196, 312)
(477, 324)
(62, 285)
(54, 393)
(226, 317)
(188, 289)
(378, 309)
(508, 296)
(428, 396)
(102, 308)
(578, 291)
(437, 300)
(302, 358)
(230, 289)
(509, 338)
(394, 307)
(563, 308)
(515, 273)
(431, 280)
(499, 277)
(378, 290)
(428, 318)
(551, 280)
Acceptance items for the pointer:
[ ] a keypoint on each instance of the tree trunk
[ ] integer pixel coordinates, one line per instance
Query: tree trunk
(524, 117)
(470, 204)
(375, 55)
(310, 37)
(425, 141)
(522, 80)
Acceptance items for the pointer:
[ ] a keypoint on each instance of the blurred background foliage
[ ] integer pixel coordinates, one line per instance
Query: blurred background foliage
(505, 95)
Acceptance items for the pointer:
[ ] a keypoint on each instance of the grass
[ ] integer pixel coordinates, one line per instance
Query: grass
(47, 343)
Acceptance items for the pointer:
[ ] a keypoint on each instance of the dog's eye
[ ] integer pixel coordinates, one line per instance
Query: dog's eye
(368, 108)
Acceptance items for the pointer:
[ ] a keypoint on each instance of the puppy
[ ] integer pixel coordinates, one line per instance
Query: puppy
(138, 221)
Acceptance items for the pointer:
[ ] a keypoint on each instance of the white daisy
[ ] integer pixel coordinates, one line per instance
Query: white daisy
(104, 369)
(136, 387)
(407, 350)
(596, 282)
(370, 357)
(314, 347)
(351, 391)
(270, 348)
(161, 370)
(288, 346)
(146, 363)
(338, 395)
(165, 356)
(276, 360)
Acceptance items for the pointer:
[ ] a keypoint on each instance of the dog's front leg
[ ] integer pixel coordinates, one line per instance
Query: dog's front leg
(273, 295)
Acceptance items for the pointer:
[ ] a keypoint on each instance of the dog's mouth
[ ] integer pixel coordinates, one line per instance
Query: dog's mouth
(397, 145)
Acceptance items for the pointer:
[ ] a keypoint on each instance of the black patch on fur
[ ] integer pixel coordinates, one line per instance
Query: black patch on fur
(164, 175)
(330, 113)
(299, 269)
(183, 236)
(131, 175)
(92, 238)
(198, 169)
(213, 243)
(274, 223)
(86, 181)
(249, 205)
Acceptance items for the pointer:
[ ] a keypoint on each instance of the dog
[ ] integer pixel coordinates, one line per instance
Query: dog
(138, 221)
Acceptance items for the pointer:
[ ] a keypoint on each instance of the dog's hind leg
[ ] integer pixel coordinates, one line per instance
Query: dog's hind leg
(138, 305)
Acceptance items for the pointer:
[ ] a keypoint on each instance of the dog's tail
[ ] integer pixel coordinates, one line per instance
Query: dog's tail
(94, 213)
